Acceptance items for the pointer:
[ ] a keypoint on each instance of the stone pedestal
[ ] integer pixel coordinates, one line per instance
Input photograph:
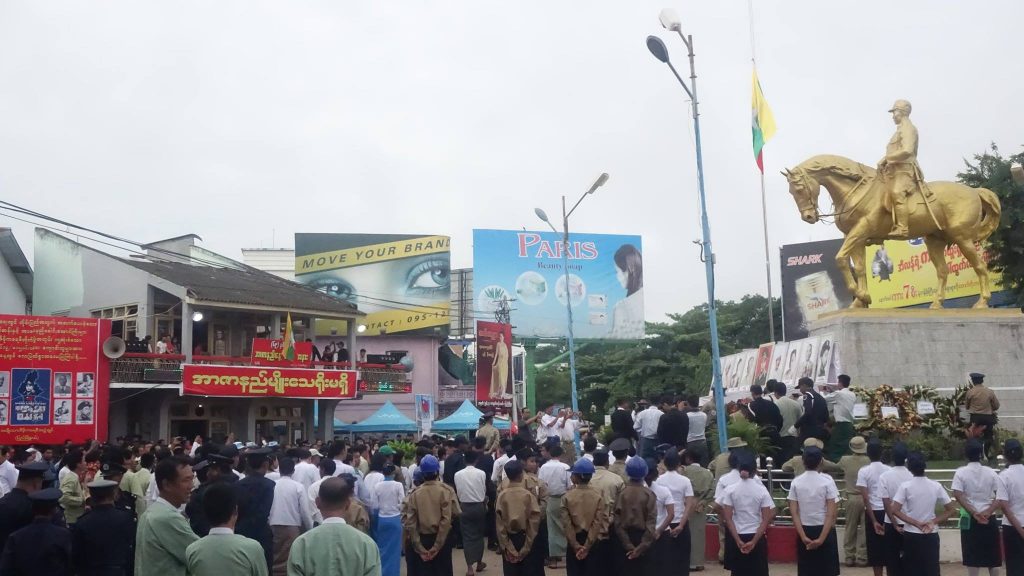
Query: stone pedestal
(934, 348)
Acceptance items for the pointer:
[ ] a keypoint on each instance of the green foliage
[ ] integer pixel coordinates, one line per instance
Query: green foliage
(936, 446)
(991, 170)
(674, 358)
(749, 432)
(408, 449)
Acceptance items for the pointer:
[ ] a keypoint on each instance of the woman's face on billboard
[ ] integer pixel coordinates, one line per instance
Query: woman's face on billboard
(384, 285)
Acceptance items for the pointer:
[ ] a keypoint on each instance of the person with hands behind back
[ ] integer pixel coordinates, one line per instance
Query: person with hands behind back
(1011, 499)
(914, 504)
(812, 501)
(518, 522)
(747, 510)
(975, 487)
(585, 518)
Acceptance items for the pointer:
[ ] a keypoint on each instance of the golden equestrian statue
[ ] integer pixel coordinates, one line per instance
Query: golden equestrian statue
(895, 203)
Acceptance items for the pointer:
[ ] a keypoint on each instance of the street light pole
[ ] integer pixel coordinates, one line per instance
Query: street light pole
(671, 22)
(568, 294)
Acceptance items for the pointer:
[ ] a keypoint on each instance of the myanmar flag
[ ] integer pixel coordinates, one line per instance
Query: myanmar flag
(762, 122)
(288, 341)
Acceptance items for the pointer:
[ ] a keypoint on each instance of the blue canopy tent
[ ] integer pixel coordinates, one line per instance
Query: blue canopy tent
(467, 417)
(386, 419)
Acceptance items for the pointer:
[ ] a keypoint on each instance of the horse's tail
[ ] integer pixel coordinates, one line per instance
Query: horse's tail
(990, 214)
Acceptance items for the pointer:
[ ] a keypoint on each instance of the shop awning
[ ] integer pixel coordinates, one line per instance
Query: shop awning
(467, 417)
(386, 419)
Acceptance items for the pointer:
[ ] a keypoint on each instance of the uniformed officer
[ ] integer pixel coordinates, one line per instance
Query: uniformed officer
(609, 483)
(517, 513)
(15, 506)
(539, 551)
(620, 450)
(795, 465)
(103, 539)
(982, 404)
(854, 539)
(720, 465)
(123, 500)
(39, 549)
(704, 493)
(585, 518)
(635, 515)
(216, 469)
(255, 497)
(489, 433)
(355, 515)
(427, 519)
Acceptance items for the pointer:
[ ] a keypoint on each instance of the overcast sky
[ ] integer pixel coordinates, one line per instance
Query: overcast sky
(245, 122)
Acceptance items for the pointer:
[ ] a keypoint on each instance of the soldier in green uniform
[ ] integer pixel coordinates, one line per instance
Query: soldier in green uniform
(854, 543)
(428, 516)
(704, 491)
(795, 465)
(620, 450)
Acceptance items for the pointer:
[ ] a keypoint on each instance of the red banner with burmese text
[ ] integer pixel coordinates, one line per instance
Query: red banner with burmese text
(270, 352)
(256, 382)
(54, 379)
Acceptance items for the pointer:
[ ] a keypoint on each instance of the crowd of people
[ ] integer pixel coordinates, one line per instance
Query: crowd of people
(537, 498)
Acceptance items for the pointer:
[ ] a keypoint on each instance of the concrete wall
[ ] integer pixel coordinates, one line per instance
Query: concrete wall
(12, 298)
(73, 280)
(422, 349)
(277, 261)
(935, 348)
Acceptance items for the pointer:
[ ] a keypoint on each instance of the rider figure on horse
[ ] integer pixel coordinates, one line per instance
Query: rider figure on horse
(899, 169)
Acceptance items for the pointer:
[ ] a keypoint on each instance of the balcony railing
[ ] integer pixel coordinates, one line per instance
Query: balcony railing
(135, 368)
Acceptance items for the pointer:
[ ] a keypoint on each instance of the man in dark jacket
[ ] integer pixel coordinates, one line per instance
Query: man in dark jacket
(255, 497)
(674, 425)
(767, 416)
(41, 548)
(812, 423)
(622, 422)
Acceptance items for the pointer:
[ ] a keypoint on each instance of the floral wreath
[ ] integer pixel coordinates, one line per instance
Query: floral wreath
(903, 400)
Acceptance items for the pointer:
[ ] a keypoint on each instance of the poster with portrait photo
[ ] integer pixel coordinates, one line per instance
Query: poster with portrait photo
(825, 352)
(63, 385)
(5, 410)
(764, 364)
(5, 384)
(84, 411)
(778, 366)
(807, 360)
(62, 411)
(30, 397)
(746, 377)
(85, 385)
(790, 372)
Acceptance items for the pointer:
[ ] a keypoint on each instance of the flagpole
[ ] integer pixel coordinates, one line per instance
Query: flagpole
(764, 196)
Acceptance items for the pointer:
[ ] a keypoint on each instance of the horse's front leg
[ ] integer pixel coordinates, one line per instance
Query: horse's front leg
(856, 279)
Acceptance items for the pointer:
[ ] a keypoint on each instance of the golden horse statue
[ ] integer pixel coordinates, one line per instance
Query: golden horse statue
(956, 214)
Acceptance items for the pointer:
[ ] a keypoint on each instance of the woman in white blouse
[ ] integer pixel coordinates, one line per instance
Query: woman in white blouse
(812, 501)
(747, 510)
(662, 550)
(388, 497)
(1011, 500)
(914, 504)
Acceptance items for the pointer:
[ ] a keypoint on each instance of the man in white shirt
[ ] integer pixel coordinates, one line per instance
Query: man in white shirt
(555, 476)
(8, 472)
(888, 483)
(471, 488)
(326, 471)
(840, 403)
(305, 472)
(791, 411)
(975, 487)
(338, 452)
(646, 426)
(546, 425)
(1011, 500)
(696, 441)
(290, 515)
(871, 492)
(567, 425)
(499, 463)
(914, 504)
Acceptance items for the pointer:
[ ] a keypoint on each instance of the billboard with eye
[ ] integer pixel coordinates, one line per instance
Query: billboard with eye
(401, 281)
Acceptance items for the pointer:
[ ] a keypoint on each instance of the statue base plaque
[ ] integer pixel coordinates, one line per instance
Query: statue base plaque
(938, 348)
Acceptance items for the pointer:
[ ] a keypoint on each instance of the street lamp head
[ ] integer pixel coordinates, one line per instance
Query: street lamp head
(541, 214)
(599, 182)
(657, 47)
(197, 316)
(670, 20)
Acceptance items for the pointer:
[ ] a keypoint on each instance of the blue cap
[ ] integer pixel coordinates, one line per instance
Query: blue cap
(513, 467)
(583, 466)
(430, 465)
(636, 468)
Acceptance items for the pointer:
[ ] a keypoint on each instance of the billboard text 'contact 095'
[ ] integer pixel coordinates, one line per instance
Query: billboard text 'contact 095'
(605, 284)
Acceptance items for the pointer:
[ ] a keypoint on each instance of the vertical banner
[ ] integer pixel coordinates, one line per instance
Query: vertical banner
(54, 379)
(424, 408)
(494, 367)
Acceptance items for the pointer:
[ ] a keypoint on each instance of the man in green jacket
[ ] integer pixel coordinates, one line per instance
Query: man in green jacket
(164, 533)
(222, 552)
(334, 547)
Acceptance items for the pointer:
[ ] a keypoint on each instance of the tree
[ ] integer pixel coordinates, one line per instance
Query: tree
(991, 170)
(674, 358)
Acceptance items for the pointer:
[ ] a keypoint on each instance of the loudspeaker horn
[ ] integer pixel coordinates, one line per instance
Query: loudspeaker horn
(114, 347)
